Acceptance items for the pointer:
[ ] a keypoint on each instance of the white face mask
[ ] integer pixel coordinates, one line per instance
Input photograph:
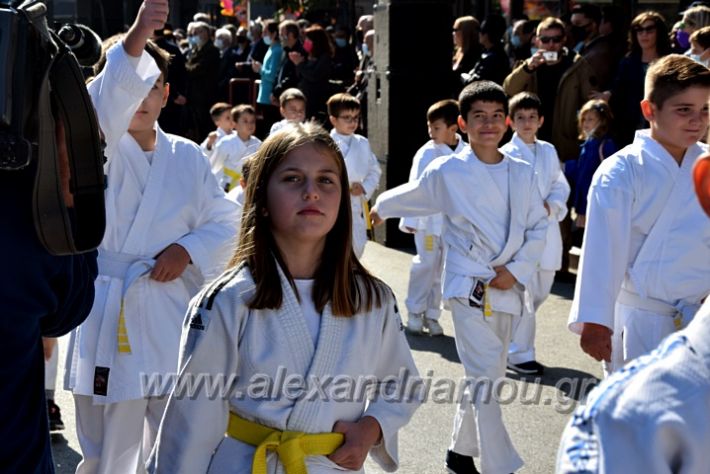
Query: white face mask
(219, 43)
(698, 59)
(365, 49)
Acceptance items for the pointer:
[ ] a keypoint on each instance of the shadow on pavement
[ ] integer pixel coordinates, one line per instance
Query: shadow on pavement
(443, 345)
(571, 383)
(65, 458)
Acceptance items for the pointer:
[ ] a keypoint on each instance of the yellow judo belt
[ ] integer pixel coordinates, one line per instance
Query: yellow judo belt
(292, 447)
(233, 175)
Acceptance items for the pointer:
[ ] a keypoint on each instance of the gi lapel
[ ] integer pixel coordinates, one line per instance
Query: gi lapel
(518, 190)
(485, 182)
(152, 195)
(681, 193)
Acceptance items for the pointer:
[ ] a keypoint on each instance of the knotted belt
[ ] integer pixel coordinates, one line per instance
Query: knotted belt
(292, 447)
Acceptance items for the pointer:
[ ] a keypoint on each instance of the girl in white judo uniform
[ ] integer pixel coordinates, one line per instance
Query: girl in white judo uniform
(645, 266)
(363, 169)
(232, 150)
(295, 308)
(525, 114)
(651, 417)
(494, 230)
(168, 227)
(424, 292)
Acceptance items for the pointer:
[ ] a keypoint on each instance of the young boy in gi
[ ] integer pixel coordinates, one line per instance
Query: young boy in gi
(222, 118)
(292, 105)
(168, 227)
(424, 292)
(232, 150)
(363, 169)
(645, 268)
(525, 116)
(494, 230)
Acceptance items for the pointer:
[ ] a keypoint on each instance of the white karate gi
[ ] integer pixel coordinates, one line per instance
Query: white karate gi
(482, 229)
(424, 290)
(149, 205)
(554, 190)
(652, 416)
(363, 168)
(645, 259)
(280, 125)
(223, 337)
(210, 152)
(237, 196)
(229, 154)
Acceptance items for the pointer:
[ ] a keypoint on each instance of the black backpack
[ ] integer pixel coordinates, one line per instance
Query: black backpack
(41, 82)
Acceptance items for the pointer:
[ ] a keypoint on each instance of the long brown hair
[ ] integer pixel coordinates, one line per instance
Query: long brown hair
(340, 278)
(663, 42)
(470, 27)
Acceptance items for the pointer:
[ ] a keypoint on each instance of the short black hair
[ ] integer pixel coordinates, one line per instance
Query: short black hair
(486, 91)
(446, 110)
(524, 101)
(591, 11)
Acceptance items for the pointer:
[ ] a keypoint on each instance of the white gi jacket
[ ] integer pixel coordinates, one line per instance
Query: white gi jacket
(475, 233)
(210, 152)
(430, 225)
(652, 416)
(646, 234)
(554, 190)
(148, 207)
(363, 168)
(222, 336)
(228, 156)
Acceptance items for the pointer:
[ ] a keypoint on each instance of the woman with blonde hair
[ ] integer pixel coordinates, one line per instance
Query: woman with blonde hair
(467, 50)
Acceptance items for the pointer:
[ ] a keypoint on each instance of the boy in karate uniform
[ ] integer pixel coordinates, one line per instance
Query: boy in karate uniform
(222, 118)
(525, 115)
(494, 231)
(292, 106)
(168, 228)
(232, 150)
(424, 292)
(363, 169)
(645, 267)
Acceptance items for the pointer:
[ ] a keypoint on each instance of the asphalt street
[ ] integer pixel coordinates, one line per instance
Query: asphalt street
(535, 409)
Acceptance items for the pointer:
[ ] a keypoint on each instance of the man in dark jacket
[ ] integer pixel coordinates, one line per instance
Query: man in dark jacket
(287, 77)
(202, 67)
(494, 64)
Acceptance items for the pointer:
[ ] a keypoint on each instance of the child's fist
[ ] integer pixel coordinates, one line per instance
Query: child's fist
(152, 15)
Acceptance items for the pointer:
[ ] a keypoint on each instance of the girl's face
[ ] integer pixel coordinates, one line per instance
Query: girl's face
(590, 121)
(303, 196)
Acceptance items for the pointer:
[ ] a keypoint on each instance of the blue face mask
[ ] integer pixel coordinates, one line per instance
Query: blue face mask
(268, 40)
(365, 49)
(341, 42)
(219, 44)
(193, 40)
(516, 41)
(533, 50)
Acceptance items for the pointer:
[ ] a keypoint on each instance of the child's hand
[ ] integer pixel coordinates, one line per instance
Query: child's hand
(359, 438)
(256, 66)
(211, 138)
(375, 217)
(170, 263)
(504, 280)
(356, 189)
(295, 57)
(547, 207)
(596, 341)
(48, 344)
(152, 15)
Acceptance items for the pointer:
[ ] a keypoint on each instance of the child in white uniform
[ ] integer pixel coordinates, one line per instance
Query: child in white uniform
(232, 150)
(296, 301)
(363, 169)
(424, 292)
(525, 114)
(168, 226)
(292, 106)
(494, 230)
(222, 119)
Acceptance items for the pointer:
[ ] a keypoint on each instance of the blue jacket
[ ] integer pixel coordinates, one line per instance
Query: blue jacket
(42, 295)
(269, 72)
(579, 172)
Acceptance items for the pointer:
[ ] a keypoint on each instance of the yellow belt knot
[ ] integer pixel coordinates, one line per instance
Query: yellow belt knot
(292, 447)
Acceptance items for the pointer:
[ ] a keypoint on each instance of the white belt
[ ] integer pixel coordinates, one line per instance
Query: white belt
(647, 304)
(124, 266)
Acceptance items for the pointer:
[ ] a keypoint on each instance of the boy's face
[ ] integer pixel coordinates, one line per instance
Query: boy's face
(148, 112)
(224, 121)
(347, 122)
(526, 123)
(246, 125)
(294, 110)
(440, 133)
(683, 119)
(484, 124)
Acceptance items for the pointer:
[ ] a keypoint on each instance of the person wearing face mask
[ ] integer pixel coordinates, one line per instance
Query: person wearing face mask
(345, 58)
(598, 50)
(268, 72)
(700, 46)
(202, 67)
(520, 45)
(314, 71)
(287, 78)
(228, 59)
(493, 65)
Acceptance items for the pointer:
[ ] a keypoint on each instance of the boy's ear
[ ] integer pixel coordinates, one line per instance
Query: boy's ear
(540, 122)
(462, 123)
(333, 120)
(166, 93)
(647, 109)
(508, 121)
(701, 178)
